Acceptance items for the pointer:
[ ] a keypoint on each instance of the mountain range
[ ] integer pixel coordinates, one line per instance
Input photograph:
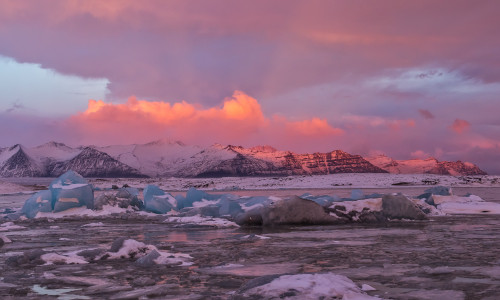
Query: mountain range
(165, 158)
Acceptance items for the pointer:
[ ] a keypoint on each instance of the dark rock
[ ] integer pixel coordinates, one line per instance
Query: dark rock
(91, 254)
(400, 207)
(143, 281)
(117, 244)
(290, 211)
(148, 260)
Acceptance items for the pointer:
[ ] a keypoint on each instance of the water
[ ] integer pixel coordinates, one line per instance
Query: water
(452, 257)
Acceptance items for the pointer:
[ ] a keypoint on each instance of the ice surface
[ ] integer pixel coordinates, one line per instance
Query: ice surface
(157, 201)
(309, 286)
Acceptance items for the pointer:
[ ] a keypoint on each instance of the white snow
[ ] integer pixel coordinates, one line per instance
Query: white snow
(465, 205)
(366, 287)
(68, 186)
(260, 237)
(373, 204)
(52, 258)
(200, 220)
(337, 181)
(82, 212)
(311, 286)
(136, 249)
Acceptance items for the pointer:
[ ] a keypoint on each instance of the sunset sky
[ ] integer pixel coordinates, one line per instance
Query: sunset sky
(410, 79)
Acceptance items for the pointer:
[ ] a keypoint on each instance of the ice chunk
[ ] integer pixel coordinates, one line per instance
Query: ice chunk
(465, 205)
(146, 254)
(71, 190)
(435, 190)
(229, 207)
(304, 286)
(41, 201)
(157, 201)
(69, 178)
(193, 195)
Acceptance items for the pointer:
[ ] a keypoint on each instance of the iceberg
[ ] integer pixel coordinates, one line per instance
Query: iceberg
(39, 202)
(68, 191)
(157, 201)
(71, 190)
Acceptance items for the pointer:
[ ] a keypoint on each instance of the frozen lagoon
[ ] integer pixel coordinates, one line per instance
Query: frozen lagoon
(447, 257)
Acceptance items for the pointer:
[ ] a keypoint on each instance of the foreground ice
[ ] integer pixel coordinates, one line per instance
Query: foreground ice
(68, 191)
(305, 286)
(144, 255)
(71, 195)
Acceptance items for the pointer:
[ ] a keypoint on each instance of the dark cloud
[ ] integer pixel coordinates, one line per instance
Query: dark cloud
(426, 114)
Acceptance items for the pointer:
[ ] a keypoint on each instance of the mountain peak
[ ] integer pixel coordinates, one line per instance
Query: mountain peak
(263, 148)
(165, 141)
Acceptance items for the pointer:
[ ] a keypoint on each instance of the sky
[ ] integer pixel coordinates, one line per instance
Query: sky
(411, 79)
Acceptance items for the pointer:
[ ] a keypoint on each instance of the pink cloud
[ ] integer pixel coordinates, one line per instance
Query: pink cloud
(460, 126)
(238, 120)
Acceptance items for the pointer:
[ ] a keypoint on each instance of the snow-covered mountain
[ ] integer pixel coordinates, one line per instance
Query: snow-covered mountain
(425, 166)
(167, 158)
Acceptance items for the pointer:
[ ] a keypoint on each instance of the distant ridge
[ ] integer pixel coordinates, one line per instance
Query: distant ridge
(169, 158)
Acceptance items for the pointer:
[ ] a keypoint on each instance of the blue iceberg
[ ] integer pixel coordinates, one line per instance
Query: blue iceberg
(39, 202)
(157, 201)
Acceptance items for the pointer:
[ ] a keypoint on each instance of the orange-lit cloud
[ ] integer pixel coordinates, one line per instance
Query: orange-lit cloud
(314, 127)
(460, 126)
(238, 120)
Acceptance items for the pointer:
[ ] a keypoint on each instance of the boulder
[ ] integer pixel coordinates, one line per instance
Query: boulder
(400, 207)
(294, 210)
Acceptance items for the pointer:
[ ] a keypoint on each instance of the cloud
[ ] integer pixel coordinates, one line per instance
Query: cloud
(426, 114)
(420, 154)
(460, 126)
(15, 106)
(238, 120)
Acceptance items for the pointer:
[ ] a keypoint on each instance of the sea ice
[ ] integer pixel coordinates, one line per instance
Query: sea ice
(305, 286)
(71, 190)
(157, 201)
(130, 248)
(41, 201)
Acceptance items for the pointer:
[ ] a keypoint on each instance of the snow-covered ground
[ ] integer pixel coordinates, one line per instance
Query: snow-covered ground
(348, 180)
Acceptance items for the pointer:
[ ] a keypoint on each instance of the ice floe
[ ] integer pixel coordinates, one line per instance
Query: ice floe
(304, 286)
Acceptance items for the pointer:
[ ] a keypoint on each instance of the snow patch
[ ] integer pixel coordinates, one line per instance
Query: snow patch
(200, 220)
(310, 286)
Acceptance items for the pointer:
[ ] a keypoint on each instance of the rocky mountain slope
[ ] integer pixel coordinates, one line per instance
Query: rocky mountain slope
(165, 158)
(425, 166)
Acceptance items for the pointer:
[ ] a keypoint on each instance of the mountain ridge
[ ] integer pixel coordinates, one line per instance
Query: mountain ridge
(169, 158)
